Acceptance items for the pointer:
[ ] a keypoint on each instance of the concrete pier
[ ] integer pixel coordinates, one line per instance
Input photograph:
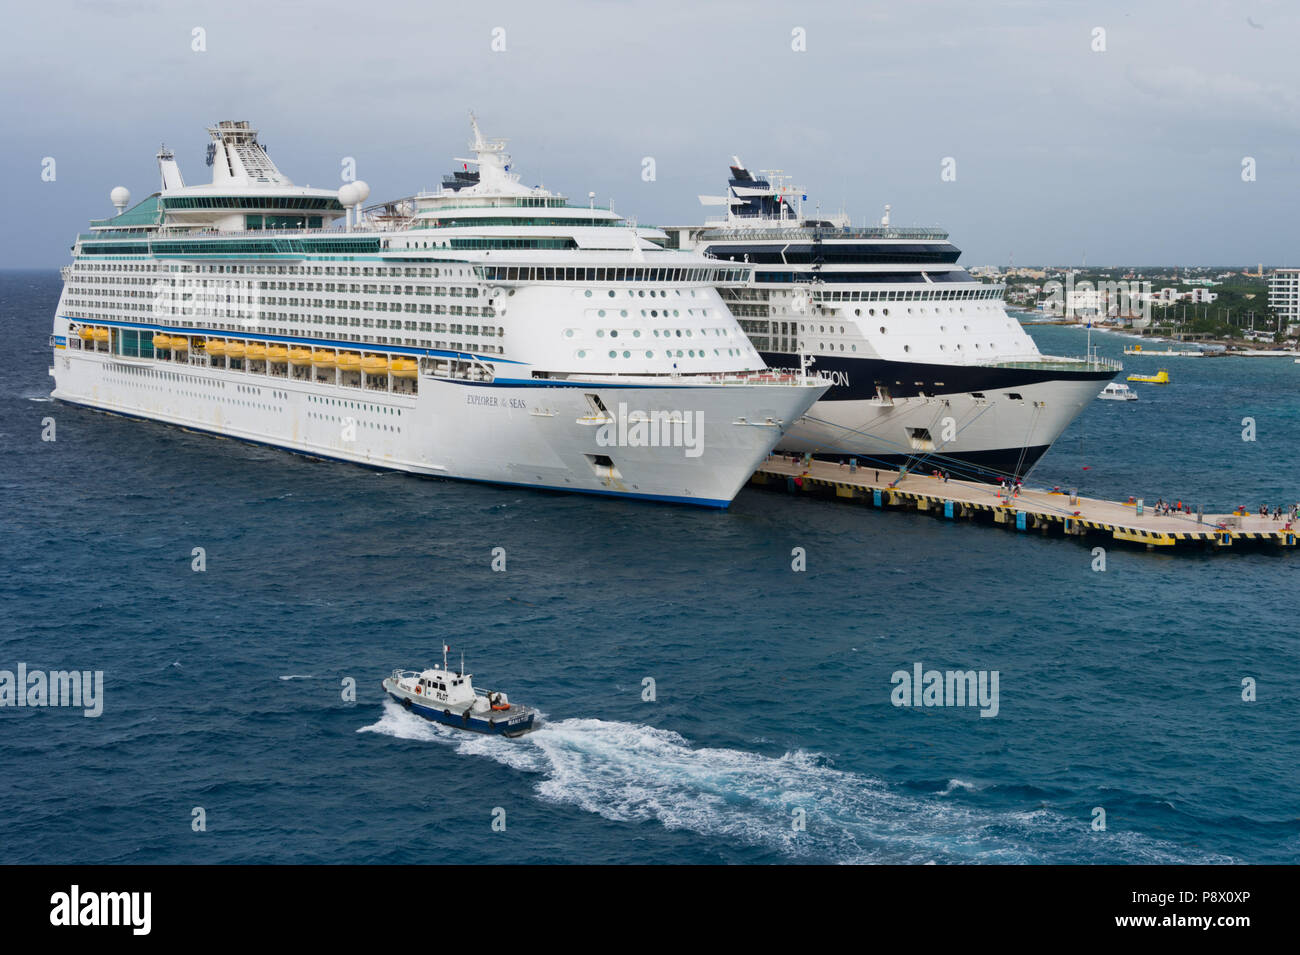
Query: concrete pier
(1027, 510)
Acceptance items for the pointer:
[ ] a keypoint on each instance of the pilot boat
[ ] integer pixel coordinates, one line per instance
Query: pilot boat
(1118, 391)
(448, 696)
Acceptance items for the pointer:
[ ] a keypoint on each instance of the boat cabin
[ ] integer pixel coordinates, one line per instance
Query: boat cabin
(446, 686)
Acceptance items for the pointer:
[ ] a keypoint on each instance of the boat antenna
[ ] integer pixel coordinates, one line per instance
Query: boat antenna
(445, 648)
(462, 662)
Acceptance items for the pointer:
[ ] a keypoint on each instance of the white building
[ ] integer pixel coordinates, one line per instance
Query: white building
(1284, 298)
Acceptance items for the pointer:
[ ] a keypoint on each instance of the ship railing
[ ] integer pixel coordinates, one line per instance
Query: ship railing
(1057, 363)
(737, 228)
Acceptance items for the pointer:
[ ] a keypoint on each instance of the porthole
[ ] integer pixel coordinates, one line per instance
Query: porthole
(588, 293)
(611, 293)
(882, 329)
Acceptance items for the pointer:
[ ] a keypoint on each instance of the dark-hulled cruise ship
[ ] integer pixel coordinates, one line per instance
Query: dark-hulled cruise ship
(928, 369)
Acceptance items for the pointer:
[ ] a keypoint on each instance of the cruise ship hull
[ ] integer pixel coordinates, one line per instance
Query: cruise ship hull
(540, 434)
(977, 422)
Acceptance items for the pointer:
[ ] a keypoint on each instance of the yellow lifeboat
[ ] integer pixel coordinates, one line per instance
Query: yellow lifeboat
(374, 365)
(349, 361)
(214, 346)
(403, 367)
(162, 342)
(324, 359)
(180, 344)
(255, 352)
(1160, 378)
(278, 353)
(100, 334)
(85, 333)
(235, 349)
(300, 356)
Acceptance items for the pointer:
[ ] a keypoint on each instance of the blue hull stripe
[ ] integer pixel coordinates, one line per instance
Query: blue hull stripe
(290, 340)
(475, 724)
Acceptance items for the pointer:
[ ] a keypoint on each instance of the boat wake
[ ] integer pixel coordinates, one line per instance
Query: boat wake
(630, 772)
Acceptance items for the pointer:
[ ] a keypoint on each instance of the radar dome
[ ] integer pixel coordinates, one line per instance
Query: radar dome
(348, 195)
(120, 197)
(363, 190)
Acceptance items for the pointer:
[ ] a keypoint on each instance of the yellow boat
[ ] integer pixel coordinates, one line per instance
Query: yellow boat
(300, 356)
(324, 359)
(100, 334)
(85, 333)
(214, 346)
(403, 368)
(278, 353)
(255, 352)
(1160, 378)
(180, 344)
(161, 342)
(374, 365)
(235, 349)
(349, 361)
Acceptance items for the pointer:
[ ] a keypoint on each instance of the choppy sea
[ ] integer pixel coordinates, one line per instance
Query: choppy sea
(772, 736)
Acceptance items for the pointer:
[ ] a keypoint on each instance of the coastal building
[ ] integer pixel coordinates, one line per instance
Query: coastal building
(1284, 298)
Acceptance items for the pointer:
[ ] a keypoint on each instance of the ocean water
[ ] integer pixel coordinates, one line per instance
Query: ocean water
(223, 689)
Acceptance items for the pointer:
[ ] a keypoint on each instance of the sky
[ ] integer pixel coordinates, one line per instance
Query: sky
(1105, 132)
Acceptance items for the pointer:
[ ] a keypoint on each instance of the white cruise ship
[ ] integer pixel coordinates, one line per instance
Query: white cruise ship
(927, 368)
(485, 331)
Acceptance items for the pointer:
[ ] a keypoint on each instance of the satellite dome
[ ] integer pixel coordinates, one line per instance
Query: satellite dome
(363, 190)
(349, 195)
(120, 197)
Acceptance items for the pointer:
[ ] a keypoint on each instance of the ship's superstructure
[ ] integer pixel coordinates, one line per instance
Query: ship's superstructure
(486, 330)
(927, 368)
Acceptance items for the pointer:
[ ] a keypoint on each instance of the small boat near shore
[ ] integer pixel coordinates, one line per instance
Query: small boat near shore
(1159, 378)
(448, 696)
(1117, 391)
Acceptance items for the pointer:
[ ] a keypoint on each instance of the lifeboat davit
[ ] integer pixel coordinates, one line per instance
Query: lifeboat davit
(403, 367)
